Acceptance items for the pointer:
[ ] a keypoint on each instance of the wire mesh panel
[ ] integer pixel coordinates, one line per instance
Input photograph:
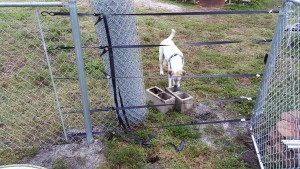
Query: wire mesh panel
(28, 111)
(276, 117)
(39, 89)
(58, 32)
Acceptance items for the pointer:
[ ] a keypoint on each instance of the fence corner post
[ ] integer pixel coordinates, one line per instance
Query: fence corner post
(81, 70)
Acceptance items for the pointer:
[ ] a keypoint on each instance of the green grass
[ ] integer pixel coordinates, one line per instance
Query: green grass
(185, 4)
(15, 156)
(220, 59)
(129, 156)
(59, 164)
(230, 162)
(255, 4)
(196, 154)
(28, 109)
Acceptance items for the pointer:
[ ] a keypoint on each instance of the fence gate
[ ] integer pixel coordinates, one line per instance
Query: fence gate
(276, 117)
(40, 98)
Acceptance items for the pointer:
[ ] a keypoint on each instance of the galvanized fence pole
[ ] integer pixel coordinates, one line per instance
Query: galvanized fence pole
(81, 69)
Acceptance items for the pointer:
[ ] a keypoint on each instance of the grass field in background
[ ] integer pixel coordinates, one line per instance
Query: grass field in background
(225, 152)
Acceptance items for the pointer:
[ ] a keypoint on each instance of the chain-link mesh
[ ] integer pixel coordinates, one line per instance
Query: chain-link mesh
(123, 31)
(276, 117)
(36, 98)
(28, 115)
(58, 33)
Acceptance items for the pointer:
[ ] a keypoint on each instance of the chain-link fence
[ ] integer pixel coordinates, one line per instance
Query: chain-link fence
(39, 89)
(127, 61)
(276, 117)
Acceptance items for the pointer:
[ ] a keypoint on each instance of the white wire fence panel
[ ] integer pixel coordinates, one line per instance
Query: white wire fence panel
(276, 117)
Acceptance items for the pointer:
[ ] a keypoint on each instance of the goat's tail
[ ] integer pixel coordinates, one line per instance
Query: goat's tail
(172, 34)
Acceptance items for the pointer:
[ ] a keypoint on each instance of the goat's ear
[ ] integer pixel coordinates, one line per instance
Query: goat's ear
(183, 73)
(171, 72)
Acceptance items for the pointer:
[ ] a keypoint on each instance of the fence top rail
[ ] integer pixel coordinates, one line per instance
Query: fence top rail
(31, 4)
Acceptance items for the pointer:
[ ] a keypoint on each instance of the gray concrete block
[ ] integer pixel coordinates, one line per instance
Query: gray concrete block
(159, 97)
(184, 101)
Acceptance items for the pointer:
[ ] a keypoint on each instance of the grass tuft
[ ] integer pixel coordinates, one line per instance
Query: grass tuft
(125, 156)
(59, 164)
(16, 156)
(184, 132)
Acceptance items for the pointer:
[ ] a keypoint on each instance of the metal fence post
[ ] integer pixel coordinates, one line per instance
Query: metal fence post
(81, 69)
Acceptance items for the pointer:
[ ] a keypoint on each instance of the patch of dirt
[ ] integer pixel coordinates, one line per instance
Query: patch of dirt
(153, 5)
(238, 131)
(250, 159)
(249, 155)
(154, 166)
(205, 111)
(11, 67)
(232, 129)
(75, 156)
(245, 81)
(216, 111)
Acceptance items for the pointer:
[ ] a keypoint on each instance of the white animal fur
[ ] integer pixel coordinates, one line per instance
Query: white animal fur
(176, 62)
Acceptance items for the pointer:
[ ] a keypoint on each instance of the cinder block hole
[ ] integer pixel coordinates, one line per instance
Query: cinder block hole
(164, 96)
(174, 89)
(156, 91)
(183, 95)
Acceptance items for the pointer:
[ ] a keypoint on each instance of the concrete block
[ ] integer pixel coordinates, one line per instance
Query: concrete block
(184, 101)
(159, 97)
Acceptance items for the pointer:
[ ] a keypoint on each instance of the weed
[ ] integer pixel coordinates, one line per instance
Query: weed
(16, 156)
(241, 136)
(254, 4)
(229, 162)
(155, 116)
(244, 108)
(184, 132)
(59, 164)
(93, 66)
(179, 164)
(196, 150)
(228, 145)
(212, 130)
(81, 160)
(180, 3)
(143, 134)
(127, 156)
